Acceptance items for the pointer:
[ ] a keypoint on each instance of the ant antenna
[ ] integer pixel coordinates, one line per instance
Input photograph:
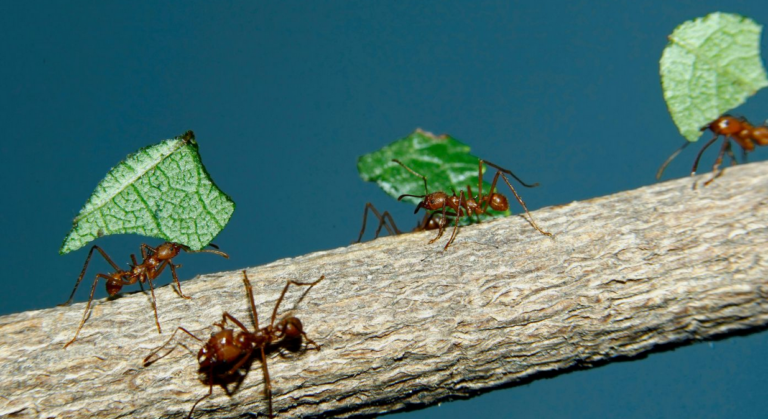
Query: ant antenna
(669, 160)
(426, 190)
(507, 171)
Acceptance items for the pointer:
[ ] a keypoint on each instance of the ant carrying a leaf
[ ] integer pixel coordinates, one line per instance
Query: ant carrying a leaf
(154, 261)
(729, 127)
(468, 205)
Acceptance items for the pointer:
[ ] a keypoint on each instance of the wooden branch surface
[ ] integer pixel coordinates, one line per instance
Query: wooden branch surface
(401, 322)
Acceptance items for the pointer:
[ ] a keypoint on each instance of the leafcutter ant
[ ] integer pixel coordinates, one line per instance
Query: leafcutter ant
(154, 261)
(229, 350)
(729, 127)
(469, 205)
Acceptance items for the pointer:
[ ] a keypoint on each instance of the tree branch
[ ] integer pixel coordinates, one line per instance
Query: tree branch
(403, 323)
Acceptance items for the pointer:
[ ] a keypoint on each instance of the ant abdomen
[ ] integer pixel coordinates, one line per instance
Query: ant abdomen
(114, 286)
(760, 135)
(498, 202)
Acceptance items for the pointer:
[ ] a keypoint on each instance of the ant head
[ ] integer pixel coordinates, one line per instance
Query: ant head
(725, 125)
(168, 250)
(433, 201)
(498, 202)
(290, 328)
(207, 356)
(114, 284)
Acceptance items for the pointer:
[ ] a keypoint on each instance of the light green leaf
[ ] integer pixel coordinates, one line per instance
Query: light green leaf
(159, 191)
(444, 161)
(710, 66)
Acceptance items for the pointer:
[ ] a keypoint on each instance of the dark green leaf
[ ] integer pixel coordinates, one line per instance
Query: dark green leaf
(444, 161)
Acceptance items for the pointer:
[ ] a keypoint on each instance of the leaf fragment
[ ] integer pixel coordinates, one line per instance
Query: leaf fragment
(710, 66)
(160, 191)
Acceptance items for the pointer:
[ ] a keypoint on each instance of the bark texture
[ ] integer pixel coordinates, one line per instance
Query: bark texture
(403, 323)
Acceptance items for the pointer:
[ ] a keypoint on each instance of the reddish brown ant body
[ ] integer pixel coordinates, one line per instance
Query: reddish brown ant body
(729, 127)
(228, 350)
(154, 261)
(431, 221)
(468, 205)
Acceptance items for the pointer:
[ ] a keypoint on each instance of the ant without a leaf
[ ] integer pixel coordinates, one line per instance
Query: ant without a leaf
(431, 221)
(154, 261)
(467, 205)
(229, 350)
(729, 127)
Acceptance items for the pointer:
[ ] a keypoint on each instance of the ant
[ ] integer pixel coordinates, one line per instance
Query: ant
(154, 262)
(228, 350)
(729, 127)
(468, 205)
(431, 221)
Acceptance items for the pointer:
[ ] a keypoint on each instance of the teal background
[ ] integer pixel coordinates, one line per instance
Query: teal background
(283, 98)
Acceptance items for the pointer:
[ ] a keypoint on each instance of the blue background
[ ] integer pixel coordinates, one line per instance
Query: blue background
(285, 97)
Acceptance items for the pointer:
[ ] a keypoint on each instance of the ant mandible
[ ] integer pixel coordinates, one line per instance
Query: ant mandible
(431, 221)
(228, 350)
(154, 261)
(729, 127)
(469, 205)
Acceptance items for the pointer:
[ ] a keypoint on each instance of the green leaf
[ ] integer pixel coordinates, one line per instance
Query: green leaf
(444, 161)
(159, 191)
(710, 66)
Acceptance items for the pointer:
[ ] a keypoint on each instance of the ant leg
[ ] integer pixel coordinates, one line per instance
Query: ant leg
(716, 167)
(226, 316)
(147, 250)
(147, 362)
(250, 299)
(456, 224)
(493, 186)
(732, 156)
(442, 224)
(382, 222)
(282, 294)
(698, 156)
(210, 391)
(480, 183)
(520, 200)
(176, 279)
(87, 306)
(154, 303)
(426, 190)
(669, 160)
(85, 267)
(267, 382)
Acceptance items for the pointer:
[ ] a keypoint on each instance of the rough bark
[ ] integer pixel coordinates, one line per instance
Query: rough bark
(402, 323)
